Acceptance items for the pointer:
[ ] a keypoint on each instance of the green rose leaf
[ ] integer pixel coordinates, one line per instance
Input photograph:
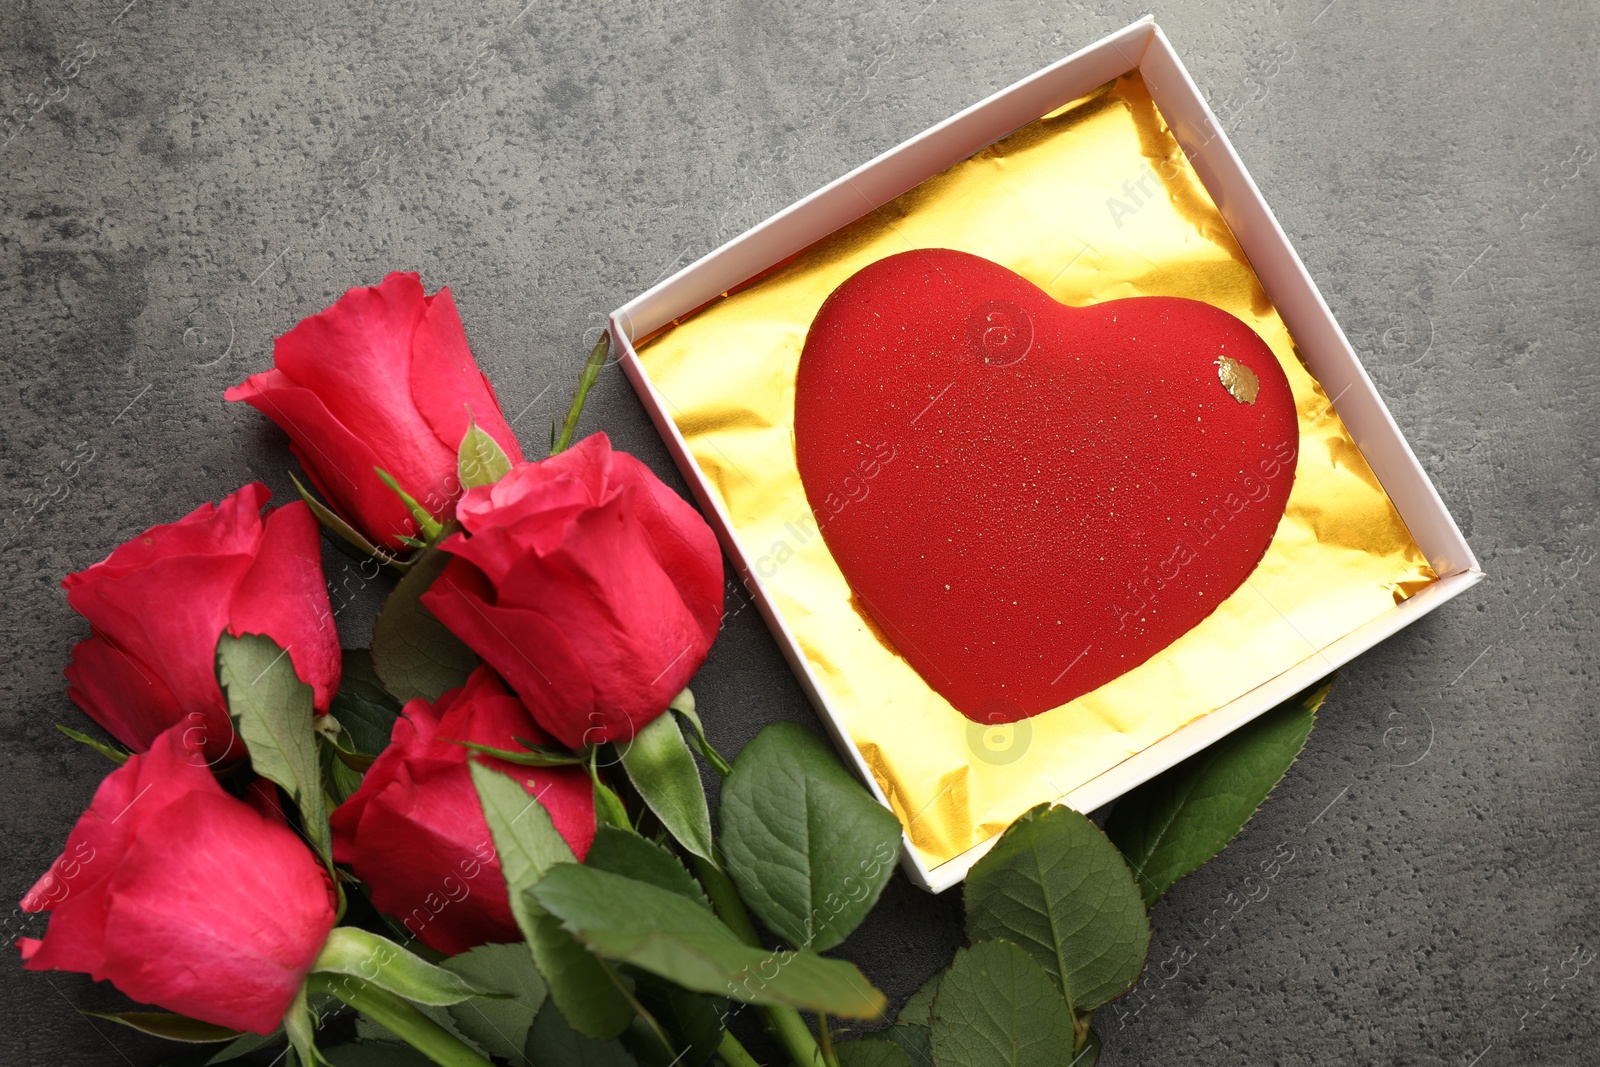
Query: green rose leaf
(499, 1026)
(172, 1027)
(528, 845)
(339, 778)
(1089, 1055)
(659, 931)
(808, 846)
(1178, 820)
(412, 652)
(553, 1041)
(480, 460)
(626, 853)
(998, 1008)
(580, 985)
(608, 807)
(693, 1022)
(1055, 886)
(663, 770)
(525, 840)
(871, 1052)
(913, 1038)
(378, 961)
(272, 714)
(362, 706)
(919, 1009)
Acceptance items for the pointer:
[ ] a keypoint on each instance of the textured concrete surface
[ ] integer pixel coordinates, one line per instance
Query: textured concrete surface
(188, 179)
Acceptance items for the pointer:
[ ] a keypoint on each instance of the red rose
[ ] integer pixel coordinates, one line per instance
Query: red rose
(383, 378)
(415, 833)
(160, 603)
(590, 586)
(183, 896)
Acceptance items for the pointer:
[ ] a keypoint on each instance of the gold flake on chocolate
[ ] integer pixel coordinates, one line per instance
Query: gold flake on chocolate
(1240, 381)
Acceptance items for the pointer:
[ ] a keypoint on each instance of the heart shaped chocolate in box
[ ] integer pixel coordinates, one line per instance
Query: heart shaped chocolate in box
(1031, 499)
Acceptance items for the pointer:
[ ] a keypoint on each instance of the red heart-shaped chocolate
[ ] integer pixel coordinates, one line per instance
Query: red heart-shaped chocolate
(1031, 499)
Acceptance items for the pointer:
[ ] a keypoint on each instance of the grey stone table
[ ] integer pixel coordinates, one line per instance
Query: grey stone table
(197, 177)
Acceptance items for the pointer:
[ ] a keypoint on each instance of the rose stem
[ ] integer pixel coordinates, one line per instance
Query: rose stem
(825, 1040)
(783, 1023)
(402, 1017)
(734, 1054)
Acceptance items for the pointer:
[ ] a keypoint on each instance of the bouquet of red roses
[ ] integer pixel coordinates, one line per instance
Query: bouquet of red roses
(473, 832)
(486, 836)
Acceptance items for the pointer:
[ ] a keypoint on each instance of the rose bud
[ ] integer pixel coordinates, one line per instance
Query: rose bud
(159, 604)
(415, 833)
(183, 896)
(590, 586)
(383, 378)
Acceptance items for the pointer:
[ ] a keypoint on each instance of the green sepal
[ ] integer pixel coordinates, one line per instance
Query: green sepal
(586, 380)
(111, 752)
(356, 953)
(209, 1055)
(480, 459)
(533, 757)
(608, 807)
(170, 1026)
(429, 526)
(664, 772)
(343, 531)
(301, 1026)
(683, 706)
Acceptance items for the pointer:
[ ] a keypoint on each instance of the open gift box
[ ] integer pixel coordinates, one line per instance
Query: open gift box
(1102, 176)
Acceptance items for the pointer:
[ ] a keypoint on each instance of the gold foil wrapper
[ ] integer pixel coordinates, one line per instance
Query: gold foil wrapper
(1093, 202)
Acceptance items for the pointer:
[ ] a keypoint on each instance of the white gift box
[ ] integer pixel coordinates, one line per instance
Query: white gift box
(1142, 47)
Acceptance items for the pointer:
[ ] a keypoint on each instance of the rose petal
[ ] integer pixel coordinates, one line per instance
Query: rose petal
(446, 384)
(425, 885)
(283, 595)
(684, 545)
(231, 527)
(356, 356)
(238, 906)
(341, 465)
(127, 698)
